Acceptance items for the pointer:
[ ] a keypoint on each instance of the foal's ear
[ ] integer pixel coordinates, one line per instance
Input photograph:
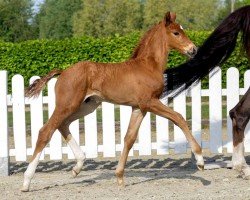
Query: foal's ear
(169, 18)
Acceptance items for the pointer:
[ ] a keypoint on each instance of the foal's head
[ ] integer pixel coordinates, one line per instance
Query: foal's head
(176, 38)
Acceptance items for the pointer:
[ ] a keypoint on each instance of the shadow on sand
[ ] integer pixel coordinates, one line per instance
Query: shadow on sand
(146, 170)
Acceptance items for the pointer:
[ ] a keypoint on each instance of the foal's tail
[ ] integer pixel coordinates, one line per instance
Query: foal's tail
(214, 51)
(36, 87)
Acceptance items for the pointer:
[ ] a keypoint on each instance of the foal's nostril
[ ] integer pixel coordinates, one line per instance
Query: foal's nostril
(192, 52)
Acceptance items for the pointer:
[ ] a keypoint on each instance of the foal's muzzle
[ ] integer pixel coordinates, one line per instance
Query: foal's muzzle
(192, 52)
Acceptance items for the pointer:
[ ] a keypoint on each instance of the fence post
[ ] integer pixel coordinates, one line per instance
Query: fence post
(196, 112)
(55, 144)
(91, 137)
(108, 124)
(19, 124)
(4, 140)
(179, 138)
(232, 99)
(144, 135)
(125, 113)
(162, 132)
(36, 117)
(215, 111)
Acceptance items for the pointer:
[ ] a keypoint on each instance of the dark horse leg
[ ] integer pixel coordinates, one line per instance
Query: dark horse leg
(240, 116)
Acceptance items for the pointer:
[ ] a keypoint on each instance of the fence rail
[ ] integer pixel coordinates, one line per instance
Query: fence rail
(108, 140)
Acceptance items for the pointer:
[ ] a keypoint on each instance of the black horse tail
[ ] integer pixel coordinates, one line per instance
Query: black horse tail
(214, 51)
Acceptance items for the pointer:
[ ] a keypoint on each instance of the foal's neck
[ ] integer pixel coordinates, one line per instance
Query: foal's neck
(153, 46)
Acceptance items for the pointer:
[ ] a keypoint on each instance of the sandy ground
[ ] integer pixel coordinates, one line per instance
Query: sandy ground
(171, 177)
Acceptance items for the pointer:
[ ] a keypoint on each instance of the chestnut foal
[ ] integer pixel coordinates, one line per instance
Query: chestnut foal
(137, 82)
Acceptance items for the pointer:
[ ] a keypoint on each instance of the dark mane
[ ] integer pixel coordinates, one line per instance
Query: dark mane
(144, 40)
(214, 51)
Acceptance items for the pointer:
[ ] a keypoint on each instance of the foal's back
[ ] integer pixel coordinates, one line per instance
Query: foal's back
(121, 83)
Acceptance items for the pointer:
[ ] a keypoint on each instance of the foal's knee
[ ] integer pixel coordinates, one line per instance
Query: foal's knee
(179, 117)
(43, 137)
(129, 141)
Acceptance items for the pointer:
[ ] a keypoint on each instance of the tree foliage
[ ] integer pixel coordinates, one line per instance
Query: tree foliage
(108, 17)
(55, 18)
(192, 14)
(89, 20)
(15, 20)
(122, 16)
(225, 8)
(58, 19)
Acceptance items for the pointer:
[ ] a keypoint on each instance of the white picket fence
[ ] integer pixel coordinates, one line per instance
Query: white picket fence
(109, 146)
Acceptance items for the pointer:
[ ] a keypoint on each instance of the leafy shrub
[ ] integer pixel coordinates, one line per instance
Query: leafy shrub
(38, 57)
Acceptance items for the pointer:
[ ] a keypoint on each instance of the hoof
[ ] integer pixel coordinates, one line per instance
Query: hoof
(24, 189)
(200, 167)
(121, 184)
(246, 177)
(246, 173)
(121, 187)
(26, 185)
(74, 173)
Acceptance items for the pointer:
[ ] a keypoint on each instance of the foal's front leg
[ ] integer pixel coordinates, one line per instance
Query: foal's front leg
(131, 135)
(156, 107)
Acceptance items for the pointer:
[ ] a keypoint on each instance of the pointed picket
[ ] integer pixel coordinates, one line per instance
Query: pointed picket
(36, 117)
(196, 112)
(19, 127)
(108, 125)
(179, 137)
(74, 130)
(232, 99)
(125, 114)
(145, 136)
(162, 133)
(215, 111)
(56, 140)
(90, 124)
(247, 131)
(4, 137)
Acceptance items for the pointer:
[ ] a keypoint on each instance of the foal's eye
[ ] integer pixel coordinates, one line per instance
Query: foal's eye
(176, 33)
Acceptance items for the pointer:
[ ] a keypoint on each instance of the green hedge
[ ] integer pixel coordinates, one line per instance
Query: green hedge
(38, 57)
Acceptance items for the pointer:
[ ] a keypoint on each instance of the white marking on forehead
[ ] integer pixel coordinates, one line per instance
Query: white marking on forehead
(181, 27)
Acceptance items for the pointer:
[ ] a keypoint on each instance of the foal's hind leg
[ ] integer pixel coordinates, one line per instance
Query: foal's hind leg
(78, 153)
(131, 135)
(44, 137)
(85, 109)
(160, 109)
